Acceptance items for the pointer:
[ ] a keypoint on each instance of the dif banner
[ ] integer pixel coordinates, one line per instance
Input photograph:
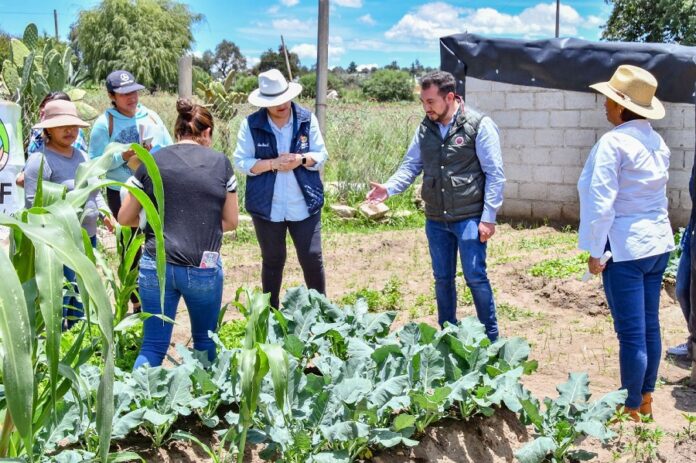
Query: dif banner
(11, 157)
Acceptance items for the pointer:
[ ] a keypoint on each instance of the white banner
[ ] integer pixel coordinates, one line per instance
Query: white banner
(11, 157)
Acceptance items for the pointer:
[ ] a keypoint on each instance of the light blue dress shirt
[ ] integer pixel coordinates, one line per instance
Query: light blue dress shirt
(288, 202)
(489, 155)
(623, 194)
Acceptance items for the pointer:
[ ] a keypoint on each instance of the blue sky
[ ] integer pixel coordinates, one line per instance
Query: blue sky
(369, 32)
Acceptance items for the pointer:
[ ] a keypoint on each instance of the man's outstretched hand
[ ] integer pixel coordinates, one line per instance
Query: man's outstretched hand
(378, 193)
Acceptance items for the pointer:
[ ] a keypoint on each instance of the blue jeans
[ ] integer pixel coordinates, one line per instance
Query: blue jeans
(72, 306)
(201, 289)
(633, 294)
(444, 240)
(683, 286)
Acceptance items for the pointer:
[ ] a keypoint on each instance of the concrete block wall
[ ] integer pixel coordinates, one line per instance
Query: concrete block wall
(546, 137)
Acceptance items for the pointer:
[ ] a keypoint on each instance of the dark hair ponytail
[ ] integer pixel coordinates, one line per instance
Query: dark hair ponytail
(192, 121)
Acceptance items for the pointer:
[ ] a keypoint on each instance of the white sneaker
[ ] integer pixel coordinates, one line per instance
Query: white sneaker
(679, 351)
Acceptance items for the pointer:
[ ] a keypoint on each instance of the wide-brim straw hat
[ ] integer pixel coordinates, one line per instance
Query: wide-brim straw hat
(60, 113)
(273, 90)
(634, 89)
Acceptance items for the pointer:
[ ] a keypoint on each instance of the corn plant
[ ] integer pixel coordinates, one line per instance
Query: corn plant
(256, 359)
(45, 238)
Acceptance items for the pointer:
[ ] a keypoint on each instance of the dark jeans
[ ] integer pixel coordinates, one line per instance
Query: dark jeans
(633, 294)
(201, 289)
(444, 240)
(72, 307)
(113, 198)
(683, 286)
(306, 236)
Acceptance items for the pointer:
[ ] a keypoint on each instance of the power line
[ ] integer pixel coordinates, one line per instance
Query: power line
(26, 13)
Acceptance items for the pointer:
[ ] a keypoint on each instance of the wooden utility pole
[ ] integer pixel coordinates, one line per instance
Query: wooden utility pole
(287, 58)
(558, 16)
(322, 63)
(55, 22)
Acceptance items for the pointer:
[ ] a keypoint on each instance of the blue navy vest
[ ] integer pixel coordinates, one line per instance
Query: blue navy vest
(259, 188)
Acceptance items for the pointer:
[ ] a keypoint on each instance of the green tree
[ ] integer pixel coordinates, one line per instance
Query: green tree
(352, 68)
(416, 69)
(4, 46)
(389, 85)
(271, 59)
(671, 21)
(228, 58)
(205, 62)
(245, 83)
(394, 66)
(146, 37)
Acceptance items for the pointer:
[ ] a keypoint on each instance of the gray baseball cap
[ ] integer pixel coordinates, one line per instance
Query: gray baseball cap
(122, 82)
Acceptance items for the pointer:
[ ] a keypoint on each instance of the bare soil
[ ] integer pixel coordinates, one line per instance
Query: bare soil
(566, 321)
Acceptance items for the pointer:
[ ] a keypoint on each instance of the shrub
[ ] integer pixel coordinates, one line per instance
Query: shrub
(199, 75)
(389, 85)
(309, 84)
(245, 84)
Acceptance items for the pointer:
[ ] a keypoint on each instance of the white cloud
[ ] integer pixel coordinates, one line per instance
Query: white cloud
(366, 67)
(305, 50)
(273, 9)
(349, 3)
(252, 61)
(431, 21)
(309, 51)
(289, 2)
(290, 24)
(367, 19)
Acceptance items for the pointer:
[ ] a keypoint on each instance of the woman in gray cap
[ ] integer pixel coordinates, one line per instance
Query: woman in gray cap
(127, 121)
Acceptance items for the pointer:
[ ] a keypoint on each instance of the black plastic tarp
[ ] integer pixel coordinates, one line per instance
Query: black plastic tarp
(568, 63)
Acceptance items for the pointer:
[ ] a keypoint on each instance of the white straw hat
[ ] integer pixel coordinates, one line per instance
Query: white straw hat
(634, 89)
(273, 90)
(60, 113)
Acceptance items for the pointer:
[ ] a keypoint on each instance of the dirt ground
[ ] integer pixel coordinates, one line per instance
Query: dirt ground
(566, 321)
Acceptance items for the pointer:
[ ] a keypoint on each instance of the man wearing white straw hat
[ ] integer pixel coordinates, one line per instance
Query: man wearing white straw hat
(280, 148)
(60, 126)
(623, 208)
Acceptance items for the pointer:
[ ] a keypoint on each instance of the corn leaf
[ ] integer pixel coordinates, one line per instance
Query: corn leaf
(18, 375)
(49, 281)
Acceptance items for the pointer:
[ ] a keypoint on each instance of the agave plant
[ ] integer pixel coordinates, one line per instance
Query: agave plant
(44, 238)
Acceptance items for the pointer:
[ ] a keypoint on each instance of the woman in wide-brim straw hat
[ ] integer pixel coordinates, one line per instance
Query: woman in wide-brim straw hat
(280, 148)
(623, 208)
(61, 159)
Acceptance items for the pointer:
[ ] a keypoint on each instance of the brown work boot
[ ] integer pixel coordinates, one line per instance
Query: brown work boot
(646, 405)
(633, 414)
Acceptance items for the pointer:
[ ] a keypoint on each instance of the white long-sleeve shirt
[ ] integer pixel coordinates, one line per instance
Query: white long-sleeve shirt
(623, 194)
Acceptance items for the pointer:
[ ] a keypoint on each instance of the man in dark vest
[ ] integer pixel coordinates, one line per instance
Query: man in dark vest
(458, 151)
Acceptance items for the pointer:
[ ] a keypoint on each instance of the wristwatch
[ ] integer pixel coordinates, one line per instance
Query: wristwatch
(304, 160)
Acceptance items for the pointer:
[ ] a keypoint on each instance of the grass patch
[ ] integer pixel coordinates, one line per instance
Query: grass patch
(512, 312)
(425, 304)
(562, 267)
(389, 298)
(556, 240)
(360, 224)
